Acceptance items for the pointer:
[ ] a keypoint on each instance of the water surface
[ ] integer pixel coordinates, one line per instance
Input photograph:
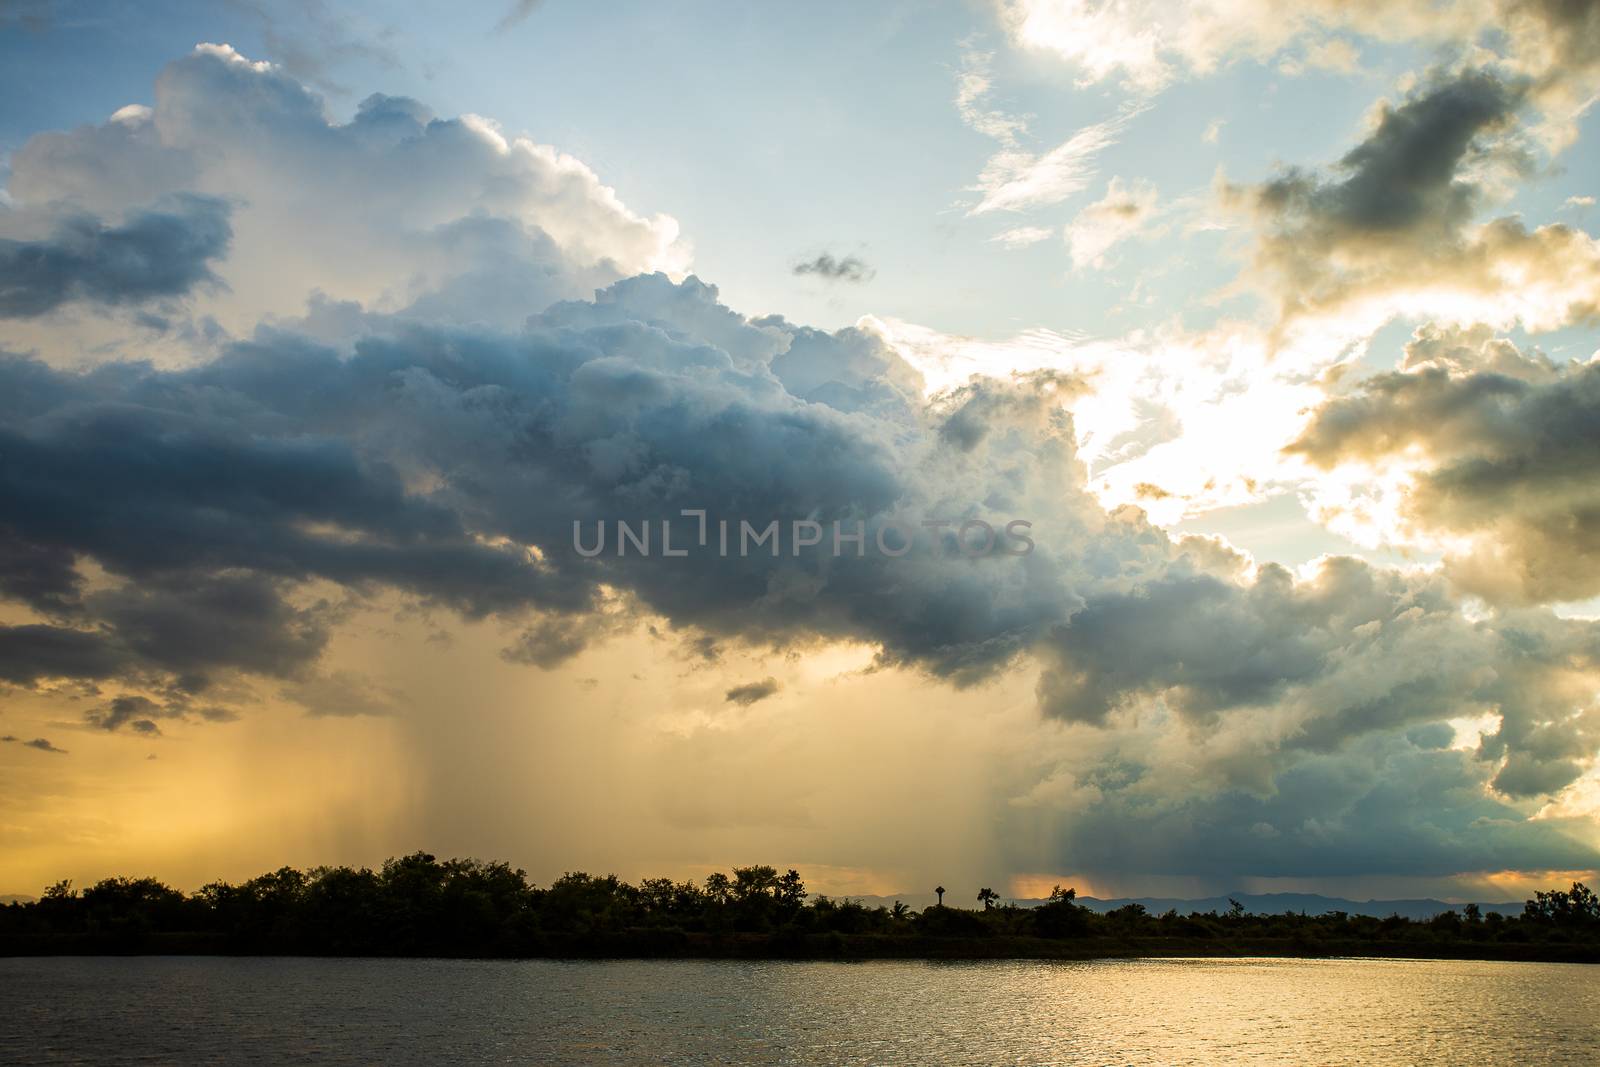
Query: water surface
(222, 1010)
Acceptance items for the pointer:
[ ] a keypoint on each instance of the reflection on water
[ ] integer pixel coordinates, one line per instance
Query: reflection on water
(192, 1010)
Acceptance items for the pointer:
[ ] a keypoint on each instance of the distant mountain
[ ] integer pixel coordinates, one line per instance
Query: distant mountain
(1255, 903)
(1309, 903)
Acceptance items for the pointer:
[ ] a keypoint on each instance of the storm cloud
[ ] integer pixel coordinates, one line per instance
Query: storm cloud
(449, 465)
(432, 428)
(155, 254)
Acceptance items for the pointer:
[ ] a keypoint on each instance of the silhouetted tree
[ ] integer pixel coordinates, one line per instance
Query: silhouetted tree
(419, 905)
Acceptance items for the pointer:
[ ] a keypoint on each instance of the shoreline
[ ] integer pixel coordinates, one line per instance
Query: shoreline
(646, 944)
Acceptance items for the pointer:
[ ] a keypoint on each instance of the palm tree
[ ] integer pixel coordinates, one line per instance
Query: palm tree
(940, 890)
(899, 911)
(987, 897)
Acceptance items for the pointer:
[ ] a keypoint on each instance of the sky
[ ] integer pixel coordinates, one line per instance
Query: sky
(330, 334)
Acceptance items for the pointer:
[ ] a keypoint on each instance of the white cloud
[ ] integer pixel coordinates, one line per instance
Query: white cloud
(1148, 44)
(1022, 236)
(973, 85)
(1125, 211)
(390, 209)
(1016, 180)
(1331, 54)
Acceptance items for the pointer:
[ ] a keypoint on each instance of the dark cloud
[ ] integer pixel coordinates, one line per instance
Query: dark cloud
(155, 254)
(31, 653)
(44, 576)
(138, 713)
(548, 643)
(1397, 214)
(449, 464)
(176, 527)
(751, 692)
(827, 266)
(1512, 451)
(1560, 37)
(1384, 807)
(1200, 640)
(1404, 178)
(39, 743)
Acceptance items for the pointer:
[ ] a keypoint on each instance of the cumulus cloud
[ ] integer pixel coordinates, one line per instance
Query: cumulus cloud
(447, 215)
(155, 254)
(835, 269)
(1148, 44)
(1124, 212)
(167, 531)
(450, 465)
(1500, 453)
(1393, 229)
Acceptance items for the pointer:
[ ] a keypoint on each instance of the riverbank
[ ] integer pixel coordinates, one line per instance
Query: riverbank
(675, 944)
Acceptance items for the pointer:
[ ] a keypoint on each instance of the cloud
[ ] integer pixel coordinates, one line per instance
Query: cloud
(1393, 229)
(828, 268)
(974, 83)
(751, 692)
(1124, 212)
(1500, 454)
(39, 743)
(394, 209)
(155, 254)
(178, 532)
(308, 41)
(1015, 179)
(517, 14)
(137, 713)
(1149, 44)
(342, 693)
(33, 652)
(1386, 808)
(449, 465)
(1022, 236)
(1331, 54)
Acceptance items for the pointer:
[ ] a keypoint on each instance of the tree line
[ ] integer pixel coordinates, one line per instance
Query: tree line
(418, 905)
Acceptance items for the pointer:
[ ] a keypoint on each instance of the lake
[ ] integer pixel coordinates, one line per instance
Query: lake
(1260, 1011)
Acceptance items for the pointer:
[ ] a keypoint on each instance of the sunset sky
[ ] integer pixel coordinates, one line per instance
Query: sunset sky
(321, 324)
